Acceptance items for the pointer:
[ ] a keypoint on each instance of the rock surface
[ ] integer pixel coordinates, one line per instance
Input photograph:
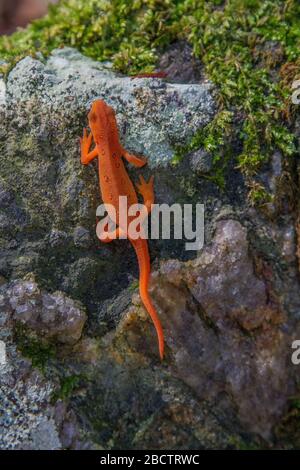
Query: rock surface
(81, 368)
(53, 316)
(28, 416)
(222, 323)
(152, 115)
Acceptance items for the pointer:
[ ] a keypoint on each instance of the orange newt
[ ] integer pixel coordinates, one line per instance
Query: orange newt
(114, 182)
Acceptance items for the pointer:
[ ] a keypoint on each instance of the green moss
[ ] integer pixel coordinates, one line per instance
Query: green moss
(134, 286)
(41, 352)
(215, 139)
(33, 347)
(241, 444)
(287, 431)
(250, 50)
(295, 403)
(68, 385)
(128, 31)
(258, 194)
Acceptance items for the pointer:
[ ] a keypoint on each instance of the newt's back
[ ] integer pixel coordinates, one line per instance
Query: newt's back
(115, 182)
(113, 177)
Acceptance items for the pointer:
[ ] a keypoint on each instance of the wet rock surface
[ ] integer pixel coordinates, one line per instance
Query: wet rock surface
(82, 369)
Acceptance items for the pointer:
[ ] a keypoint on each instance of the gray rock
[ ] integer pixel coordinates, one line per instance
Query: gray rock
(28, 417)
(57, 238)
(226, 328)
(48, 199)
(43, 436)
(229, 313)
(24, 405)
(152, 115)
(200, 161)
(51, 315)
(81, 237)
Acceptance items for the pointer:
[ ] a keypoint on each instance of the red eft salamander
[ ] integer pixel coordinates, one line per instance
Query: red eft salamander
(114, 182)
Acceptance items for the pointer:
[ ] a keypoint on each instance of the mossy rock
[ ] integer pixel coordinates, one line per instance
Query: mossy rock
(249, 49)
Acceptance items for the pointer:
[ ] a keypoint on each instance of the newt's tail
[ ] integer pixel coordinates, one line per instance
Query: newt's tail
(141, 248)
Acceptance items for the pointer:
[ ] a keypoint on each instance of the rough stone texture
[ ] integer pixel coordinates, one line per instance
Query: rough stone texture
(230, 312)
(152, 115)
(28, 419)
(47, 199)
(223, 324)
(51, 315)
(200, 161)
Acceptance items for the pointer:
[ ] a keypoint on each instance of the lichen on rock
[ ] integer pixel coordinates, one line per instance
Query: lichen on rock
(153, 115)
(27, 414)
(54, 316)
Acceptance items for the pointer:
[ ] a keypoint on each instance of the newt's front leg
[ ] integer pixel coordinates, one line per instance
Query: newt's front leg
(85, 143)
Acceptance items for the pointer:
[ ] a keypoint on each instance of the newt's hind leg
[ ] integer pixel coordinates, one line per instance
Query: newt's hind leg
(106, 237)
(147, 191)
(85, 143)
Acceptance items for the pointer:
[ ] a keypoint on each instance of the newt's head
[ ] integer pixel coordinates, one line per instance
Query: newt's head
(102, 121)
